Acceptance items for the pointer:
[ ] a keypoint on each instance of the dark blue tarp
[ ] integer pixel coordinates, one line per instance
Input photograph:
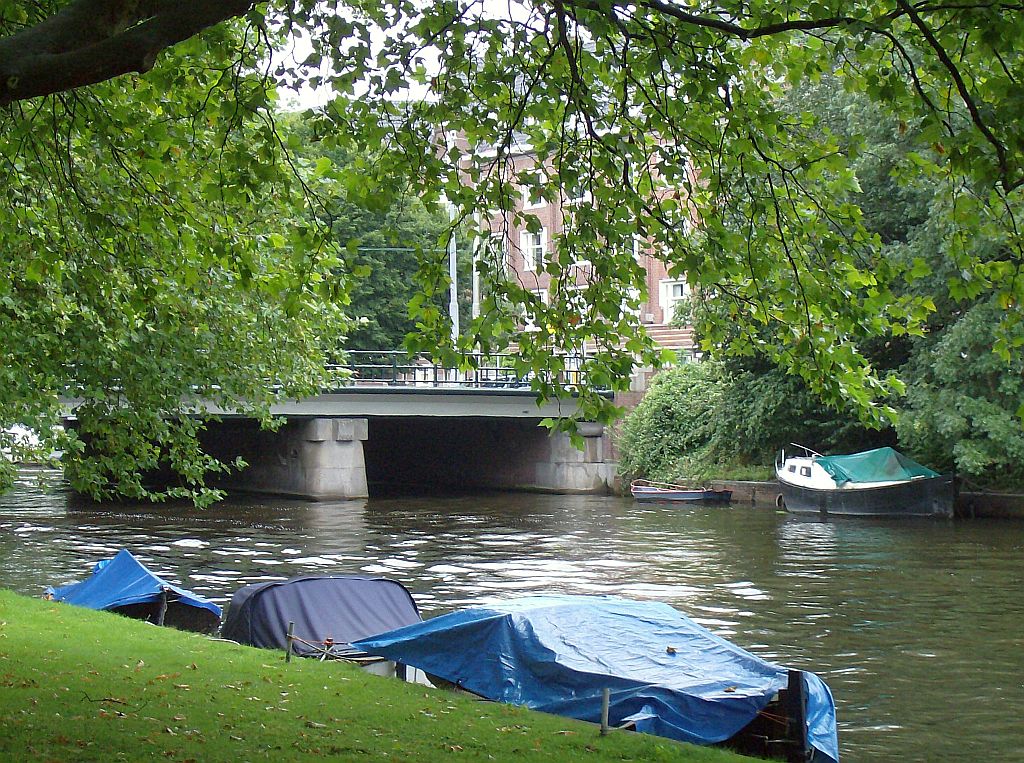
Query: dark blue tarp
(666, 673)
(339, 608)
(123, 582)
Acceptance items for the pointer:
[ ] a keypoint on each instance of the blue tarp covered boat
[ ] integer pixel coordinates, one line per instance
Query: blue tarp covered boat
(124, 585)
(666, 674)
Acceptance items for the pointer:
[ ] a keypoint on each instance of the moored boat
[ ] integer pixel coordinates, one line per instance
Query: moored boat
(319, 616)
(664, 674)
(126, 586)
(881, 482)
(647, 491)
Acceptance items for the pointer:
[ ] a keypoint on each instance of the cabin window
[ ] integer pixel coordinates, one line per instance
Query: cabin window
(792, 467)
(805, 471)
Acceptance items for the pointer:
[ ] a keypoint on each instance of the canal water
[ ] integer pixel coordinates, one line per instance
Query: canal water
(918, 627)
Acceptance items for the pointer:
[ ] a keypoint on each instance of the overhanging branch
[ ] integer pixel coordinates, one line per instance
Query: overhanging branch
(90, 41)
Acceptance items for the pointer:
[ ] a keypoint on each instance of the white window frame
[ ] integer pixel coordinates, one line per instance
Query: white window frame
(528, 322)
(667, 299)
(534, 248)
(583, 197)
(527, 198)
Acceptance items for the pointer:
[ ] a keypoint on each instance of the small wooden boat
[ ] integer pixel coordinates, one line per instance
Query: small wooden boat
(126, 586)
(647, 491)
(880, 483)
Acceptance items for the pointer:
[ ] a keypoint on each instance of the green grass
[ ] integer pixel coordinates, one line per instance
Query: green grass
(77, 685)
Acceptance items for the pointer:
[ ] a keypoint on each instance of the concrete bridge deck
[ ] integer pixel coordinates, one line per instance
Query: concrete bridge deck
(405, 421)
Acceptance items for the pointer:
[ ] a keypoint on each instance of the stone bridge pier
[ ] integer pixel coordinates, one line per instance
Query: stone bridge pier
(331, 458)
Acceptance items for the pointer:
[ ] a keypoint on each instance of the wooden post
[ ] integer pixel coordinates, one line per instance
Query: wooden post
(605, 701)
(288, 649)
(163, 606)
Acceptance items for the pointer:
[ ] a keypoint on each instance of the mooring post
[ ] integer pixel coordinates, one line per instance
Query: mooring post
(606, 694)
(288, 649)
(163, 606)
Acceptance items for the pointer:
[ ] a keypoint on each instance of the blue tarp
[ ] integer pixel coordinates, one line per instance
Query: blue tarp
(556, 654)
(124, 581)
(342, 609)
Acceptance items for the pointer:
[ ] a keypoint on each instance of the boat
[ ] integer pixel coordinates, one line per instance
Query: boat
(664, 674)
(126, 586)
(647, 491)
(319, 616)
(881, 482)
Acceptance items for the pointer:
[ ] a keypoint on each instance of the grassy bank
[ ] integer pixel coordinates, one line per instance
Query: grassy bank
(77, 685)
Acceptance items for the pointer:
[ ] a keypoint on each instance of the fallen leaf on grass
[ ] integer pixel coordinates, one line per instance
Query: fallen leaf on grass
(315, 725)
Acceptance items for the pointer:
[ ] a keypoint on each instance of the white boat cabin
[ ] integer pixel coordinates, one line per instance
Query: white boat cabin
(805, 471)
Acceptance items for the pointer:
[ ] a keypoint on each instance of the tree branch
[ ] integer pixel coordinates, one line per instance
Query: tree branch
(90, 41)
(965, 94)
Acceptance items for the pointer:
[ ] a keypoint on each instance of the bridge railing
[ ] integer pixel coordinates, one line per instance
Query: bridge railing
(396, 369)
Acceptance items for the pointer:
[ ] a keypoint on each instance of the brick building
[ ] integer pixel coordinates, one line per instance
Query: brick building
(526, 252)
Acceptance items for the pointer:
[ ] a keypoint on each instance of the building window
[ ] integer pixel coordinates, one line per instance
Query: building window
(534, 247)
(671, 294)
(577, 195)
(529, 321)
(493, 247)
(533, 193)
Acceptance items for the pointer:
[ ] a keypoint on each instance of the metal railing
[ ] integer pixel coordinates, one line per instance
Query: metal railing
(394, 368)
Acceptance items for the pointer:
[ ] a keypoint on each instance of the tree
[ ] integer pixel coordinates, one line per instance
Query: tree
(633, 102)
(158, 251)
(960, 408)
(664, 113)
(384, 242)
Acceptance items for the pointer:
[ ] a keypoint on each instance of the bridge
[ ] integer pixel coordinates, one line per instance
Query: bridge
(394, 421)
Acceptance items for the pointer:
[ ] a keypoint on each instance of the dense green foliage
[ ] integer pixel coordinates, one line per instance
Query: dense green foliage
(157, 251)
(961, 407)
(92, 686)
(704, 420)
(670, 431)
(960, 410)
(158, 243)
(383, 243)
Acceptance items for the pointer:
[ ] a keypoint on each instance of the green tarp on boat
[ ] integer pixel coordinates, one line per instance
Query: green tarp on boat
(879, 465)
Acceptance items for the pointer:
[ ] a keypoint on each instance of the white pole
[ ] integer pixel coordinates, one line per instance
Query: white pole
(453, 289)
(475, 311)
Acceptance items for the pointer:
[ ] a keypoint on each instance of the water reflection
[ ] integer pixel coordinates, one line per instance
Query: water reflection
(916, 626)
